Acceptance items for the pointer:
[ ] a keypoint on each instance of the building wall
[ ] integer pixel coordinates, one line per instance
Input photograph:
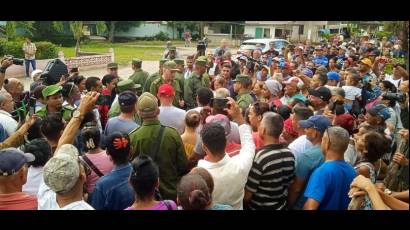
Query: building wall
(147, 30)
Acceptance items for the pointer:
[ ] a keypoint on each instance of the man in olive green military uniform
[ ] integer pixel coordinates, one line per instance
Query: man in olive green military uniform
(54, 103)
(154, 76)
(168, 77)
(122, 86)
(170, 158)
(112, 69)
(199, 78)
(139, 76)
(241, 87)
(179, 75)
(172, 53)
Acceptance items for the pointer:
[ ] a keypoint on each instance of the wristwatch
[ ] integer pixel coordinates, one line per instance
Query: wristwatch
(77, 114)
(387, 191)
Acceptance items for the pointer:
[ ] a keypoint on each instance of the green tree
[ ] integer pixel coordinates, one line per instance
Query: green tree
(401, 29)
(116, 26)
(11, 27)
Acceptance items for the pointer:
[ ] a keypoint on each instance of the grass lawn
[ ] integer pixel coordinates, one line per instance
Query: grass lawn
(123, 52)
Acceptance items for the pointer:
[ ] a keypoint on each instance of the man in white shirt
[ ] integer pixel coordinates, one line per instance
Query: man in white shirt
(300, 144)
(229, 174)
(64, 176)
(6, 107)
(170, 115)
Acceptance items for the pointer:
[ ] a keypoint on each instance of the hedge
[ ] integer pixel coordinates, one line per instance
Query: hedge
(45, 50)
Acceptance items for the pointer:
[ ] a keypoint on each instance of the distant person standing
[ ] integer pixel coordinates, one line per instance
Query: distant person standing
(30, 50)
(187, 38)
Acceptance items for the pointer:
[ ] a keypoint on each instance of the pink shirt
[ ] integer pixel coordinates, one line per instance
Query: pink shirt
(103, 163)
(160, 206)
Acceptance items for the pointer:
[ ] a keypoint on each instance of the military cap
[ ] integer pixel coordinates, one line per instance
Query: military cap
(172, 48)
(163, 60)
(127, 85)
(136, 61)
(112, 65)
(179, 61)
(147, 105)
(201, 61)
(51, 90)
(242, 78)
(171, 65)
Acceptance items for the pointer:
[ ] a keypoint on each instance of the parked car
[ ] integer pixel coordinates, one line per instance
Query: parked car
(264, 42)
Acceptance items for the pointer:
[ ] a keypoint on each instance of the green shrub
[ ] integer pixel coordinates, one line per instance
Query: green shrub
(161, 36)
(45, 50)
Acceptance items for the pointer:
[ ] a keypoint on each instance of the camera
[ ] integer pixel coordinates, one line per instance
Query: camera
(400, 97)
(201, 45)
(16, 61)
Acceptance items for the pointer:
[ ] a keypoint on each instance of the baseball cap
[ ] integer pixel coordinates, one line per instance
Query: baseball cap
(62, 171)
(112, 65)
(318, 48)
(12, 160)
(318, 122)
(171, 65)
(379, 110)
(294, 80)
(166, 90)
(127, 85)
(127, 98)
(273, 86)
(332, 75)
(265, 67)
(288, 127)
(222, 120)
(307, 72)
(345, 121)
(366, 61)
(51, 90)
(322, 93)
(147, 105)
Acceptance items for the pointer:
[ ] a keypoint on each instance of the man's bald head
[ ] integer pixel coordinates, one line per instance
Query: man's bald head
(14, 86)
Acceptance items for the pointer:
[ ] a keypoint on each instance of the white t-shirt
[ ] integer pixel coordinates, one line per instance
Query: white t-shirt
(299, 146)
(395, 82)
(47, 201)
(172, 116)
(8, 123)
(231, 173)
(46, 198)
(78, 205)
(34, 179)
(351, 92)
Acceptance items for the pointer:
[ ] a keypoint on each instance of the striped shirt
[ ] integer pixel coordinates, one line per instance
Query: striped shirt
(272, 172)
(29, 51)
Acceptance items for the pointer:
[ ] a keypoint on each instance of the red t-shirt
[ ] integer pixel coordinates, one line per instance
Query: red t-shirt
(257, 139)
(18, 201)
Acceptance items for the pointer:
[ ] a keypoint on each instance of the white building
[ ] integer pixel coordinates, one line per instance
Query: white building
(290, 30)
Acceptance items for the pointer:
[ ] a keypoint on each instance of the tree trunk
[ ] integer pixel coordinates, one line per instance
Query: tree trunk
(77, 47)
(112, 31)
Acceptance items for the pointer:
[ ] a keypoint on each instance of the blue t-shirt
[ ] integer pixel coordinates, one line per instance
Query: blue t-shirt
(306, 163)
(320, 60)
(330, 184)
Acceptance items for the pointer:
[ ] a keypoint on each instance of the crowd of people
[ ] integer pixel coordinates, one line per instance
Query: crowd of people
(304, 127)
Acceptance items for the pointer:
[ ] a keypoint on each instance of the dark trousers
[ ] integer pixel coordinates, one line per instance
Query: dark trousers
(27, 64)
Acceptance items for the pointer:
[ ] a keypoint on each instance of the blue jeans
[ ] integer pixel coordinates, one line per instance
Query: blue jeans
(27, 64)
